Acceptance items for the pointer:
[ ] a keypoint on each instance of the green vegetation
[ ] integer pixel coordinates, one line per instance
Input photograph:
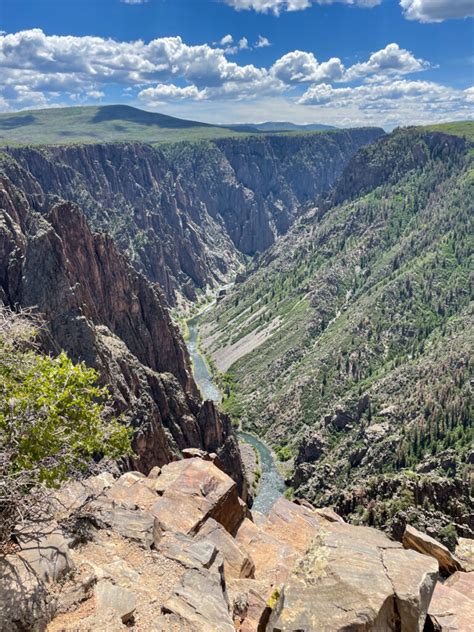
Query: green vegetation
(52, 421)
(115, 123)
(111, 123)
(460, 128)
(366, 307)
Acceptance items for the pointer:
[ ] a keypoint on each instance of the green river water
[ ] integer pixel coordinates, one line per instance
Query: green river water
(271, 485)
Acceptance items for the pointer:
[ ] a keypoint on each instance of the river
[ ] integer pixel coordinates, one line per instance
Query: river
(271, 485)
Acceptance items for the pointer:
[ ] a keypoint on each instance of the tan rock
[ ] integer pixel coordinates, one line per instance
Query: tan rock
(189, 552)
(248, 600)
(351, 578)
(126, 519)
(237, 563)
(200, 602)
(194, 490)
(413, 578)
(418, 541)
(452, 605)
(465, 554)
(109, 596)
(25, 602)
(294, 525)
(76, 494)
(45, 551)
(133, 490)
(273, 560)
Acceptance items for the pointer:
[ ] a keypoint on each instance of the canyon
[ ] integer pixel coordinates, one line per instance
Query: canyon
(350, 306)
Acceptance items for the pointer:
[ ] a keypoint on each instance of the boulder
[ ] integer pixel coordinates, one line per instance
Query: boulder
(25, 601)
(418, 541)
(355, 578)
(133, 489)
(44, 550)
(249, 599)
(189, 552)
(190, 453)
(452, 606)
(237, 563)
(126, 519)
(413, 578)
(200, 601)
(109, 596)
(196, 490)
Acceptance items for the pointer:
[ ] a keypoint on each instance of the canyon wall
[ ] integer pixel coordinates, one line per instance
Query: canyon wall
(187, 213)
(100, 310)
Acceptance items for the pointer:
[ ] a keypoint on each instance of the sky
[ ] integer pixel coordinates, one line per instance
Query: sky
(339, 62)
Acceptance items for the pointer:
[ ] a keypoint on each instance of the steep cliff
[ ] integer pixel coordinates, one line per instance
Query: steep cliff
(99, 309)
(348, 345)
(187, 213)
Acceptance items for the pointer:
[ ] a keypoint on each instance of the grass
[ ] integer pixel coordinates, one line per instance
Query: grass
(102, 124)
(115, 123)
(461, 128)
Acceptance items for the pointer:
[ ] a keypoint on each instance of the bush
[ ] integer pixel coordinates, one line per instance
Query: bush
(53, 422)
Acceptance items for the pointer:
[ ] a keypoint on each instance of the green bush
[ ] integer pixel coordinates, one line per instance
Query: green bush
(53, 420)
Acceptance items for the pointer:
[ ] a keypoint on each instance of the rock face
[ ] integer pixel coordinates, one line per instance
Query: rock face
(185, 213)
(294, 570)
(414, 539)
(453, 604)
(101, 311)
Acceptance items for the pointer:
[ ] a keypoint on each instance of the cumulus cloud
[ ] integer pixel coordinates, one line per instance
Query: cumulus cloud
(39, 70)
(437, 10)
(133, 1)
(390, 60)
(419, 97)
(302, 67)
(278, 6)
(421, 10)
(262, 42)
(169, 92)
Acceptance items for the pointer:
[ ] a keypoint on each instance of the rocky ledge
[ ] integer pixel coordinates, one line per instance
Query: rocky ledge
(179, 550)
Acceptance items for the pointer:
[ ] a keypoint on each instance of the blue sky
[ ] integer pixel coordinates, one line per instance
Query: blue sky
(343, 62)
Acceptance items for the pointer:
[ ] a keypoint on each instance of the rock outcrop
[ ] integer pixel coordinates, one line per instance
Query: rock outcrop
(452, 606)
(98, 309)
(414, 539)
(185, 213)
(222, 569)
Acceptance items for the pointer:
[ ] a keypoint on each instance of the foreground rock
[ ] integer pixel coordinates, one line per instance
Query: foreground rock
(179, 551)
(452, 606)
(423, 543)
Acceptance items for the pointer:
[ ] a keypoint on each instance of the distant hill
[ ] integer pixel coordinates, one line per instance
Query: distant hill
(108, 123)
(284, 126)
(120, 123)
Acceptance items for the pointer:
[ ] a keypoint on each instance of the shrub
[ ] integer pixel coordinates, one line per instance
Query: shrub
(53, 422)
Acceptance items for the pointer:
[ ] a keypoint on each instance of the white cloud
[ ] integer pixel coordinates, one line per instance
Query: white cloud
(169, 92)
(437, 10)
(421, 10)
(227, 39)
(390, 60)
(38, 70)
(278, 6)
(133, 1)
(302, 67)
(95, 94)
(262, 42)
(410, 99)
